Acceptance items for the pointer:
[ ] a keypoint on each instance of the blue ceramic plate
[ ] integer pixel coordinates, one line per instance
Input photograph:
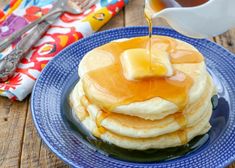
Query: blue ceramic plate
(52, 87)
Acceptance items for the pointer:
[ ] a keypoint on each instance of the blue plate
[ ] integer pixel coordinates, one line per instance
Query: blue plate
(53, 85)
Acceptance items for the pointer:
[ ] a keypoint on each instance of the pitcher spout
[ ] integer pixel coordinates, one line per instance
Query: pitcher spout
(210, 19)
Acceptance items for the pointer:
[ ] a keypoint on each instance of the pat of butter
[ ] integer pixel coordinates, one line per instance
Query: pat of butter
(137, 64)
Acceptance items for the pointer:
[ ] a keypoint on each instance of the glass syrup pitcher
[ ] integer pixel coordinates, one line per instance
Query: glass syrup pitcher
(194, 18)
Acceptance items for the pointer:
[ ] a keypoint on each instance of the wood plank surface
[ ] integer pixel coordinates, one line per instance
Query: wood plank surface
(12, 117)
(20, 145)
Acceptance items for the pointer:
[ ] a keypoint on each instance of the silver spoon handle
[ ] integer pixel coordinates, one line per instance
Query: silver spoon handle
(9, 63)
(30, 39)
(9, 40)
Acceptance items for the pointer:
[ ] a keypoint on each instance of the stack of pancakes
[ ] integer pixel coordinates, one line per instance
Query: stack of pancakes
(152, 123)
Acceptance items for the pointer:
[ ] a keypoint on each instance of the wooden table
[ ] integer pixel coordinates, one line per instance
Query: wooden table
(20, 145)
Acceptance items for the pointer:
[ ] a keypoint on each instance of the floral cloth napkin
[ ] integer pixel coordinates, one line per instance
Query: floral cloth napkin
(68, 29)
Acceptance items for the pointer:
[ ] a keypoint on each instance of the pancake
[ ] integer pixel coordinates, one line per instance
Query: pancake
(155, 108)
(74, 100)
(133, 112)
(126, 125)
(174, 139)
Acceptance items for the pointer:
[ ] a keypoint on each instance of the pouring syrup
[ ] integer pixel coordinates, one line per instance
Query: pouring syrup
(154, 6)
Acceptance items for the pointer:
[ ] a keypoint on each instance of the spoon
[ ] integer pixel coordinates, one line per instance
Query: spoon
(70, 6)
(9, 63)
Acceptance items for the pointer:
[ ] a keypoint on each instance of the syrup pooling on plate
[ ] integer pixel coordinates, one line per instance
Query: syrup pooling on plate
(116, 90)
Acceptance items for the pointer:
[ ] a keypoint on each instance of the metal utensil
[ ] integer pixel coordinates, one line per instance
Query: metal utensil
(61, 6)
(9, 63)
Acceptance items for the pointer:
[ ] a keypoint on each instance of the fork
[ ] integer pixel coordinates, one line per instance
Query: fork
(61, 6)
(9, 63)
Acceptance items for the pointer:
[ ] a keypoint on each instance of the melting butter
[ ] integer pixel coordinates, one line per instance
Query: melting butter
(137, 65)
